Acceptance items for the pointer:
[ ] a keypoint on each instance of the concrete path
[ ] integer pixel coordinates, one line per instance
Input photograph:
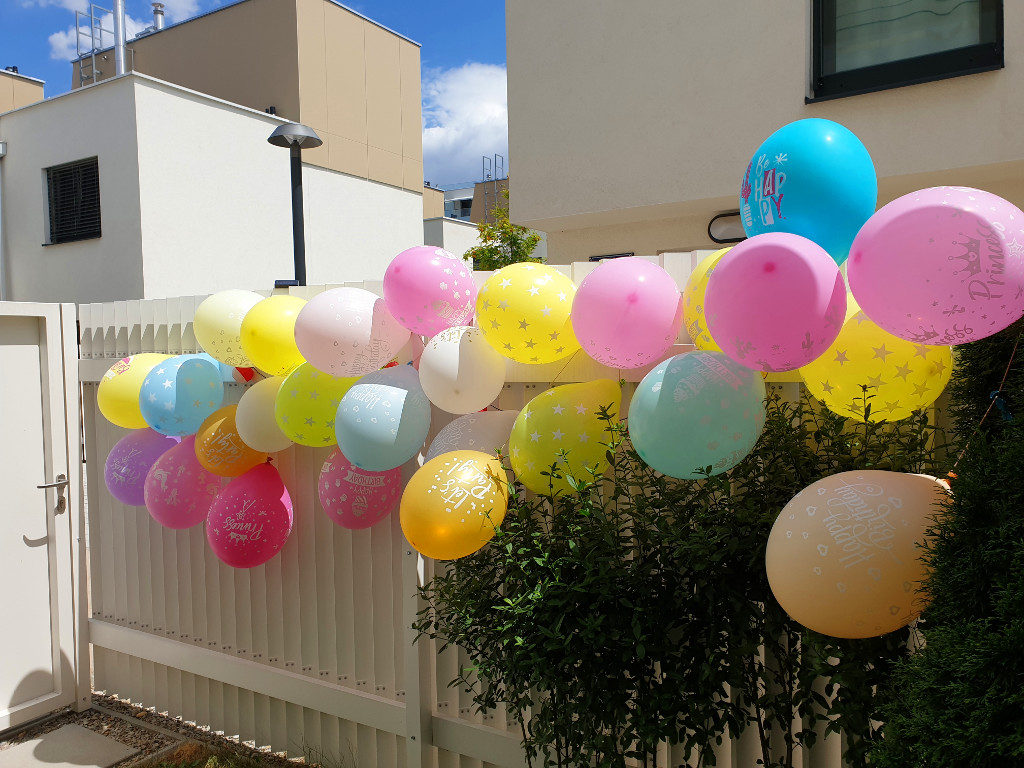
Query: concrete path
(70, 746)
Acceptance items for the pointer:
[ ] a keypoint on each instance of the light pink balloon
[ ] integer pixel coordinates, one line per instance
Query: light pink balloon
(627, 312)
(941, 266)
(356, 498)
(250, 520)
(348, 332)
(775, 302)
(429, 289)
(179, 490)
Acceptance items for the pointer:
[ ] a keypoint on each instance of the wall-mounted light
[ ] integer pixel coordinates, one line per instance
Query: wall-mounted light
(725, 228)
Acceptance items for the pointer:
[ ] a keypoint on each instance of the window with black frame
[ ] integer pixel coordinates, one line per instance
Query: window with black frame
(73, 191)
(860, 46)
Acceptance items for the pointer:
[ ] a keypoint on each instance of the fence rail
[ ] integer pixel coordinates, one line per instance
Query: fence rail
(313, 650)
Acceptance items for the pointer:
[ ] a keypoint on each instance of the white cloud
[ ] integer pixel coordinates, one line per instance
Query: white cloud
(70, 5)
(178, 10)
(63, 45)
(465, 117)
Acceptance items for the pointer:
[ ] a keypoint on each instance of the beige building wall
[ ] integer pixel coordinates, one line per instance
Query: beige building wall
(354, 82)
(18, 90)
(433, 203)
(620, 151)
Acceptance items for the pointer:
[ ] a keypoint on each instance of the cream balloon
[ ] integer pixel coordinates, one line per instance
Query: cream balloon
(843, 557)
(217, 325)
(487, 432)
(255, 420)
(460, 372)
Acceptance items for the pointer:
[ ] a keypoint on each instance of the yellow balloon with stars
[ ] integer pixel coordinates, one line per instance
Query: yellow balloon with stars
(693, 302)
(901, 377)
(523, 311)
(563, 427)
(307, 403)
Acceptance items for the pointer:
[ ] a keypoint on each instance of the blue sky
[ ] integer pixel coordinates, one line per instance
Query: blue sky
(462, 60)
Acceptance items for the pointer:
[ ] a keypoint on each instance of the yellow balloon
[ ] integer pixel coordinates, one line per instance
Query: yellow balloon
(563, 426)
(901, 377)
(307, 403)
(454, 504)
(693, 302)
(218, 325)
(843, 557)
(268, 335)
(219, 447)
(523, 310)
(118, 393)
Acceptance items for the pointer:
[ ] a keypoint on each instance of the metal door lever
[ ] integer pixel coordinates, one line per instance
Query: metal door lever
(60, 484)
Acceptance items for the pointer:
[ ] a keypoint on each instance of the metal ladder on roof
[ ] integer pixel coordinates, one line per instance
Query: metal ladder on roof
(92, 37)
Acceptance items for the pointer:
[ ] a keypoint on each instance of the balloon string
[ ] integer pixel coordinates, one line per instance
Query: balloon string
(993, 399)
(571, 358)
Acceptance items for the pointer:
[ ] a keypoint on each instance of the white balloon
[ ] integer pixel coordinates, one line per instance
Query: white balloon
(460, 372)
(485, 432)
(255, 420)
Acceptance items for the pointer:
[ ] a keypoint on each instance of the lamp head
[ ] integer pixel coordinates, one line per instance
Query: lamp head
(295, 134)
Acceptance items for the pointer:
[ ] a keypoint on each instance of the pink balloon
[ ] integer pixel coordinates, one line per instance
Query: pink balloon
(627, 312)
(178, 490)
(941, 266)
(250, 520)
(429, 289)
(348, 332)
(356, 498)
(775, 302)
(124, 471)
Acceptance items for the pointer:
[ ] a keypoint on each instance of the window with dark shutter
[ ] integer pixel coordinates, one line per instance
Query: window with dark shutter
(860, 46)
(74, 196)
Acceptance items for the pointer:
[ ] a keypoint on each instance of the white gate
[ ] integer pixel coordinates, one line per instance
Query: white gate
(43, 647)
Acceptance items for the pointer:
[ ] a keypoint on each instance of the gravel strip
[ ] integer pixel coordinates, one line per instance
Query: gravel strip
(142, 729)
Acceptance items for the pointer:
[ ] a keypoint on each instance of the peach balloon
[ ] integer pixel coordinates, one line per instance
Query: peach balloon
(219, 447)
(843, 557)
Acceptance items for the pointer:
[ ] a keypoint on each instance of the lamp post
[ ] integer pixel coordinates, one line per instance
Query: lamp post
(295, 137)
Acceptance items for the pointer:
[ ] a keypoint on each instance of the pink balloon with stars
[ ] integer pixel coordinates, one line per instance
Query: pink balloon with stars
(429, 289)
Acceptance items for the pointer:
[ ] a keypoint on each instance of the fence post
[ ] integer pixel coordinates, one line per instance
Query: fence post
(418, 693)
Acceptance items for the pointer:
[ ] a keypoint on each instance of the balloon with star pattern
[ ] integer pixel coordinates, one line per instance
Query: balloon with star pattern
(179, 393)
(563, 427)
(523, 310)
(307, 403)
(901, 377)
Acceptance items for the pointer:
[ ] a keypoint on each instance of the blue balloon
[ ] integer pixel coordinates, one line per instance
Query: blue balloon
(694, 411)
(179, 393)
(811, 178)
(383, 419)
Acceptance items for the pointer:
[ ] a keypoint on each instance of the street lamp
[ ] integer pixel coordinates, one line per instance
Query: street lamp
(296, 137)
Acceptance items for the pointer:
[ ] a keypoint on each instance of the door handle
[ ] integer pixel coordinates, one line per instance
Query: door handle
(60, 484)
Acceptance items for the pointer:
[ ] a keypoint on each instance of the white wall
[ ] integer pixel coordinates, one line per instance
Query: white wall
(652, 110)
(451, 234)
(96, 121)
(355, 227)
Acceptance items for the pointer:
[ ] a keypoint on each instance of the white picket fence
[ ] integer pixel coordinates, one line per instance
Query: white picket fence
(312, 650)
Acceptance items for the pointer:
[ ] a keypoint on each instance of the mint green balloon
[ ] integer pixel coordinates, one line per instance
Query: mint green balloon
(694, 411)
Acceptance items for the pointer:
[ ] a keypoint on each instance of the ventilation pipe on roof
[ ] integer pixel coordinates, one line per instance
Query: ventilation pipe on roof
(158, 16)
(119, 37)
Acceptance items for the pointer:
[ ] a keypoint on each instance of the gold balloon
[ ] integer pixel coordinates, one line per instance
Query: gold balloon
(523, 310)
(219, 447)
(454, 503)
(562, 426)
(118, 393)
(693, 302)
(268, 335)
(901, 377)
(307, 404)
(843, 557)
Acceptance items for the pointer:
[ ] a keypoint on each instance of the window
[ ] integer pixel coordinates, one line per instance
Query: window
(861, 46)
(74, 201)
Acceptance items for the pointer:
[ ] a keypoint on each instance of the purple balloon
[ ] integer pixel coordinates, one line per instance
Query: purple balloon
(129, 462)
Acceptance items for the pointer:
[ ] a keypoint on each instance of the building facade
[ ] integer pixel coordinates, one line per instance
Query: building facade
(631, 124)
